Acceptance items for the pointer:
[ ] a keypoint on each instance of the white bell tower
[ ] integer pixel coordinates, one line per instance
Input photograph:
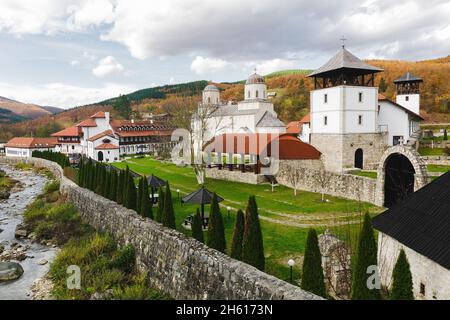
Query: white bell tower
(408, 92)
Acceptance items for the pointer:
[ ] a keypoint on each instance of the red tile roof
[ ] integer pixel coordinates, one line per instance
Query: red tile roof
(107, 146)
(290, 147)
(68, 132)
(101, 135)
(306, 119)
(32, 143)
(294, 127)
(87, 123)
(100, 114)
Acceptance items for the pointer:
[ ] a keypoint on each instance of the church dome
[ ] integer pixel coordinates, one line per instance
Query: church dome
(255, 79)
(211, 87)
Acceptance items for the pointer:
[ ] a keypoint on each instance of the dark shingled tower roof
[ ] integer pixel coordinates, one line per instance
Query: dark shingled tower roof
(408, 77)
(344, 60)
(422, 221)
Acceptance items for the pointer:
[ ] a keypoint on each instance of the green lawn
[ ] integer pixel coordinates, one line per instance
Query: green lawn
(437, 168)
(368, 174)
(285, 218)
(431, 151)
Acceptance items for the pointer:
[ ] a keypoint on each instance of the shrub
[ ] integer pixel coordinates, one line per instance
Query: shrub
(402, 284)
(168, 218)
(51, 186)
(312, 272)
(125, 259)
(216, 230)
(238, 236)
(252, 245)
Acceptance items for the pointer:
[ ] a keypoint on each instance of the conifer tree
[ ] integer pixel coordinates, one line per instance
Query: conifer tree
(131, 194)
(252, 245)
(366, 256)
(146, 202)
(445, 135)
(238, 236)
(126, 190)
(168, 218)
(197, 227)
(160, 210)
(402, 284)
(120, 187)
(312, 272)
(80, 173)
(139, 196)
(216, 230)
(107, 181)
(113, 186)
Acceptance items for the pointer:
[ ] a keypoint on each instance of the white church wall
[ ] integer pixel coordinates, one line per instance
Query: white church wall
(395, 119)
(430, 274)
(255, 91)
(409, 101)
(366, 108)
(328, 107)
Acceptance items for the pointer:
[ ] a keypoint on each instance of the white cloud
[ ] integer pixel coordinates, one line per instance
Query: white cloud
(74, 63)
(64, 95)
(202, 65)
(89, 56)
(90, 13)
(107, 66)
(273, 65)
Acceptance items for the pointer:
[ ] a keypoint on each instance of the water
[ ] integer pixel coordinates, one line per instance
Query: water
(11, 214)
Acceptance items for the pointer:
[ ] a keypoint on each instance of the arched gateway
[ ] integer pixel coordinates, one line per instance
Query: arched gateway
(401, 172)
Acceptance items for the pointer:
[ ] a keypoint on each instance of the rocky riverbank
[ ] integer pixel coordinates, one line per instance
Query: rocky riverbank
(23, 261)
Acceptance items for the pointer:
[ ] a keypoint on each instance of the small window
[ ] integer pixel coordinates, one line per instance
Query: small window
(257, 93)
(360, 119)
(407, 98)
(325, 98)
(360, 97)
(209, 100)
(248, 94)
(422, 289)
(325, 120)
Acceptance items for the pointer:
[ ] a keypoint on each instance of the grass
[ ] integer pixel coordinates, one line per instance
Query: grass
(368, 174)
(423, 151)
(438, 168)
(283, 239)
(103, 264)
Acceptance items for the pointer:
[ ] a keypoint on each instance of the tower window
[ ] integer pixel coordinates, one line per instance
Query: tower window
(257, 93)
(422, 289)
(360, 119)
(325, 98)
(360, 97)
(407, 98)
(325, 120)
(248, 94)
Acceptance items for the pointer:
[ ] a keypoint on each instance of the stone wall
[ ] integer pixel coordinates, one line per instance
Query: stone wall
(235, 175)
(177, 265)
(311, 178)
(438, 160)
(433, 276)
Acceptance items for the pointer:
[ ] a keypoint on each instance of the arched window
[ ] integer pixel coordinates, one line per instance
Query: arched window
(209, 99)
(257, 94)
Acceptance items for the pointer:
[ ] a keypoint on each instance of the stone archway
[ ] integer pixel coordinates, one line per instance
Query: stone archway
(359, 160)
(401, 153)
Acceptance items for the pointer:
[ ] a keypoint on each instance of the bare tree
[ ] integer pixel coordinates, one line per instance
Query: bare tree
(294, 175)
(322, 178)
(200, 122)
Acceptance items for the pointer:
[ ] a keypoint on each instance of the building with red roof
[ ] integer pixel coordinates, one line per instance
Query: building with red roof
(24, 146)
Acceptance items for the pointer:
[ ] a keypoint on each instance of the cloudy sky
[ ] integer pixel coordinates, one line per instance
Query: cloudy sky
(66, 53)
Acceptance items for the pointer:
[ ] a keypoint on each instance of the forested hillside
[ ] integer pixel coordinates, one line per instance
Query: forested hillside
(291, 102)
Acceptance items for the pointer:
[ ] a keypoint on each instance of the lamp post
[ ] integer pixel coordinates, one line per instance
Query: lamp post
(228, 210)
(291, 263)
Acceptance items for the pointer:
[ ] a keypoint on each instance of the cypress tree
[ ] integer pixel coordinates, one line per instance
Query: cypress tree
(107, 180)
(252, 245)
(366, 256)
(126, 180)
(80, 173)
(197, 227)
(120, 187)
(168, 218)
(238, 236)
(131, 194)
(402, 284)
(312, 272)
(445, 135)
(100, 180)
(160, 210)
(146, 202)
(113, 186)
(216, 230)
(91, 176)
(139, 196)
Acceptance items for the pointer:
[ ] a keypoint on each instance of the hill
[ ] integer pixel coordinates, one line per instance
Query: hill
(292, 101)
(20, 111)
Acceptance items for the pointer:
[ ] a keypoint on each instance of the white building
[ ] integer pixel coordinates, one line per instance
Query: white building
(24, 147)
(420, 226)
(350, 124)
(301, 129)
(104, 139)
(253, 115)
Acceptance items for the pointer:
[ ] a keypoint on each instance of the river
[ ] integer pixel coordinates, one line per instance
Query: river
(11, 214)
